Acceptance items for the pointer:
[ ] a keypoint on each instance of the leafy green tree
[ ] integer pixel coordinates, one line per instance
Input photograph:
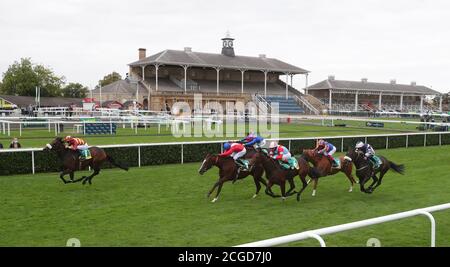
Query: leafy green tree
(75, 90)
(108, 79)
(21, 78)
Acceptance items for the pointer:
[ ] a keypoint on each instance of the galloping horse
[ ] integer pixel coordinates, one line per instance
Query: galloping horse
(365, 171)
(71, 162)
(276, 175)
(228, 171)
(323, 167)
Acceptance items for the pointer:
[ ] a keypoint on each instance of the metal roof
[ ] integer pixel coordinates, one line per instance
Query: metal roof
(372, 86)
(199, 59)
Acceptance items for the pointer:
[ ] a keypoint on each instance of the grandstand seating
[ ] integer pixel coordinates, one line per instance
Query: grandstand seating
(286, 106)
(210, 86)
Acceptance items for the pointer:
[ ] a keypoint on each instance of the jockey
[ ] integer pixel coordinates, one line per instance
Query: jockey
(79, 144)
(236, 151)
(257, 142)
(326, 149)
(279, 152)
(250, 137)
(368, 151)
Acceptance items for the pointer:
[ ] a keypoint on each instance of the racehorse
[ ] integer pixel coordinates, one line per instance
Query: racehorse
(364, 170)
(71, 162)
(277, 175)
(228, 171)
(323, 167)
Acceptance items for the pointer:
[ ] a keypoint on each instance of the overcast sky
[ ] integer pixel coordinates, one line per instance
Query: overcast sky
(407, 40)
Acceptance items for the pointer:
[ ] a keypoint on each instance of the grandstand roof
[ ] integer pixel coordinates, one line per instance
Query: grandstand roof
(200, 59)
(25, 101)
(372, 86)
(121, 87)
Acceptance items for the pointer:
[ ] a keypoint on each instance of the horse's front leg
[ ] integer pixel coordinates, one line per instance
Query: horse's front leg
(221, 181)
(212, 189)
(362, 182)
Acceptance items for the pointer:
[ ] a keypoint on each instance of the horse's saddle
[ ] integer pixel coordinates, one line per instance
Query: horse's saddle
(291, 164)
(337, 164)
(376, 162)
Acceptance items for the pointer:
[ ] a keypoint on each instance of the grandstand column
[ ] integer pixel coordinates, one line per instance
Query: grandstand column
(156, 76)
(287, 84)
(218, 72)
(356, 101)
(185, 67)
(265, 83)
(292, 75)
(306, 83)
(421, 103)
(401, 102)
(329, 100)
(379, 101)
(143, 73)
(242, 81)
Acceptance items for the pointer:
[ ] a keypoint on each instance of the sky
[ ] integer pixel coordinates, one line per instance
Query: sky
(406, 40)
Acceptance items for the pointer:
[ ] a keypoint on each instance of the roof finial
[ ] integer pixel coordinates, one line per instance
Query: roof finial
(227, 34)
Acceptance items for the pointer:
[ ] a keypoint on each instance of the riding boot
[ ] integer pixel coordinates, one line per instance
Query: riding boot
(333, 162)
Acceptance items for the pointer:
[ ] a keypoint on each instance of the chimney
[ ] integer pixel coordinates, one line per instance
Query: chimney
(364, 80)
(331, 77)
(188, 49)
(393, 81)
(413, 83)
(262, 55)
(142, 53)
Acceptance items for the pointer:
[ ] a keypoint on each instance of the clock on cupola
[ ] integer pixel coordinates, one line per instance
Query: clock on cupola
(227, 45)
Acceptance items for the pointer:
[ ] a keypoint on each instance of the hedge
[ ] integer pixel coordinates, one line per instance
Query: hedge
(21, 162)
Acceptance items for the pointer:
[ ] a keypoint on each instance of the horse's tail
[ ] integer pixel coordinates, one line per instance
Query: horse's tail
(398, 168)
(113, 162)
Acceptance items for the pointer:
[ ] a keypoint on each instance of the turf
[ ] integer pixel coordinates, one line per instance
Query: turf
(40, 137)
(166, 206)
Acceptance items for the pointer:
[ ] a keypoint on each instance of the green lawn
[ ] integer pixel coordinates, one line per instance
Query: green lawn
(40, 137)
(166, 206)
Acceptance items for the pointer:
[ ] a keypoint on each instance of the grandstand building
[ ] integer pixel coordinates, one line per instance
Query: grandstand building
(340, 95)
(160, 80)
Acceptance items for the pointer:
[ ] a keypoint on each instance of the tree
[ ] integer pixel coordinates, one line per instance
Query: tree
(110, 78)
(75, 90)
(22, 77)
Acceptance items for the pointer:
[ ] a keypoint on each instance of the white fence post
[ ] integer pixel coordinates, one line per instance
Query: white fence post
(407, 140)
(182, 152)
(342, 144)
(387, 142)
(440, 139)
(425, 140)
(32, 162)
(139, 156)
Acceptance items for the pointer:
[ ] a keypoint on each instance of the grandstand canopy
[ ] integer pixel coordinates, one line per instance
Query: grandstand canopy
(9, 101)
(373, 87)
(200, 59)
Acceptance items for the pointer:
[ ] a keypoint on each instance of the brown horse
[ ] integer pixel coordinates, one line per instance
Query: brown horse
(228, 171)
(275, 174)
(71, 162)
(323, 167)
(365, 170)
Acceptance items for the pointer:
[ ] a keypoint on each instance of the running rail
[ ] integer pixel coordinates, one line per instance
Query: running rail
(318, 233)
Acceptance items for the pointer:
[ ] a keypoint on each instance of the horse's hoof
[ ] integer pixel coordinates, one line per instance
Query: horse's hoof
(350, 190)
(214, 200)
(283, 198)
(255, 195)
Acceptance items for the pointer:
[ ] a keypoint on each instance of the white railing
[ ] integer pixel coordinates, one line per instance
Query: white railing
(305, 103)
(288, 140)
(318, 233)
